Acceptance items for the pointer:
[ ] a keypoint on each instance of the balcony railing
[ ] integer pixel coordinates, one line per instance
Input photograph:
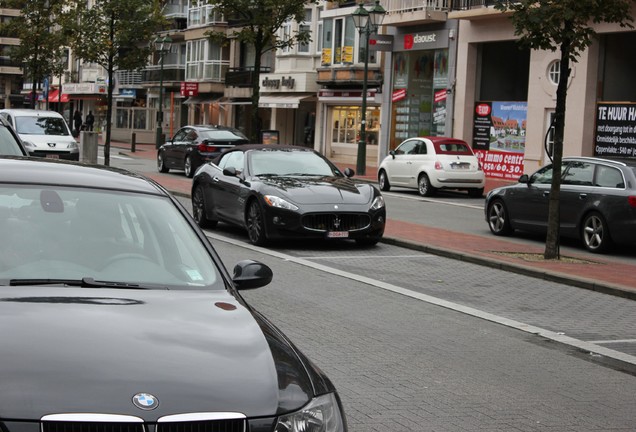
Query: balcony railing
(170, 73)
(401, 6)
(128, 78)
(242, 77)
(204, 15)
(470, 4)
(213, 70)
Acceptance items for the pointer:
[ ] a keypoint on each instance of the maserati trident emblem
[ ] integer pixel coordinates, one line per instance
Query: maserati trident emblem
(336, 222)
(145, 401)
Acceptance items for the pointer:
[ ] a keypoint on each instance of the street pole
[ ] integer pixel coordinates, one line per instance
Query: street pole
(159, 136)
(162, 45)
(367, 22)
(361, 166)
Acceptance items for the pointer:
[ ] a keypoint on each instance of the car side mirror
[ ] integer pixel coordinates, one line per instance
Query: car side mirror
(348, 172)
(250, 274)
(230, 171)
(524, 179)
(392, 153)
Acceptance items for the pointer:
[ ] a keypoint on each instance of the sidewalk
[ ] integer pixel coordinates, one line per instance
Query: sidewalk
(598, 273)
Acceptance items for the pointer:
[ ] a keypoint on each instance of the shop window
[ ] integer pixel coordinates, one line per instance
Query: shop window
(346, 125)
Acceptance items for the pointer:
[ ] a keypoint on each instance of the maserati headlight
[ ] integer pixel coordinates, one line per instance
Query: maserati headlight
(322, 414)
(278, 202)
(378, 203)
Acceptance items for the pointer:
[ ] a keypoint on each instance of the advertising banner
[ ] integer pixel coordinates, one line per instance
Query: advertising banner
(499, 138)
(615, 130)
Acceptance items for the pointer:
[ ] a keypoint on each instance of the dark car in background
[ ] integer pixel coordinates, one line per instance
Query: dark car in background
(597, 198)
(277, 191)
(117, 314)
(192, 146)
(10, 144)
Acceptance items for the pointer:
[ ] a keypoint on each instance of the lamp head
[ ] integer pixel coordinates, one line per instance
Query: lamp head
(360, 17)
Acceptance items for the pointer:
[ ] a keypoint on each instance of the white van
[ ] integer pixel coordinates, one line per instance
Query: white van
(43, 133)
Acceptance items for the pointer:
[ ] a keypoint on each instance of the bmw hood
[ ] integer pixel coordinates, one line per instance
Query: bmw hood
(322, 190)
(74, 350)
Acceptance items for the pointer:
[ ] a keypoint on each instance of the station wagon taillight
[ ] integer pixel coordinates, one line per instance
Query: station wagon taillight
(632, 200)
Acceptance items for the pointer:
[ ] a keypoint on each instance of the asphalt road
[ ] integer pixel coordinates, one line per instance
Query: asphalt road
(417, 342)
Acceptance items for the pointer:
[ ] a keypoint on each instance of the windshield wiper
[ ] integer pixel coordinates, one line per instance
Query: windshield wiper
(86, 282)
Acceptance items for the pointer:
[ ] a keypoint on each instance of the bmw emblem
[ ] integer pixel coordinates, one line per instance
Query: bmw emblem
(145, 401)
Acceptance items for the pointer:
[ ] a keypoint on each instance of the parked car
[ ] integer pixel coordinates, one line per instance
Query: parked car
(10, 143)
(43, 133)
(117, 314)
(277, 191)
(194, 145)
(597, 202)
(431, 163)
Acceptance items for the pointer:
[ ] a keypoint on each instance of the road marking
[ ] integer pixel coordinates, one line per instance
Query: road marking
(114, 157)
(589, 347)
(613, 341)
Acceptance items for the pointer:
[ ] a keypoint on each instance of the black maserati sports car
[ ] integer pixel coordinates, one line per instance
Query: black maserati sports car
(277, 191)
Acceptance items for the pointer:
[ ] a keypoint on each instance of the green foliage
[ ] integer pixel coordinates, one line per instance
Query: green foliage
(548, 24)
(257, 22)
(42, 42)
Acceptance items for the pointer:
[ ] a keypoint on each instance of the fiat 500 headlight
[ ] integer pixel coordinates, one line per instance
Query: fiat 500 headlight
(322, 414)
(278, 202)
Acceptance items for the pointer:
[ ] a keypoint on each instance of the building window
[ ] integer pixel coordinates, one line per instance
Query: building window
(305, 27)
(554, 72)
(204, 61)
(319, 38)
(286, 29)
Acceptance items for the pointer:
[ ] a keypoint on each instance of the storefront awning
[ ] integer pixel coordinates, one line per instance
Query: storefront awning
(280, 101)
(201, 99)
(54, 96)
(229, 101)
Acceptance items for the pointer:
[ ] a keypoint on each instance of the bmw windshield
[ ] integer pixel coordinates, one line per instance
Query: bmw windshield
(92, 238)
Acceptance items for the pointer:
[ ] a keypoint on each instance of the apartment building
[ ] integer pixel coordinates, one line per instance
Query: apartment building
(11, 75)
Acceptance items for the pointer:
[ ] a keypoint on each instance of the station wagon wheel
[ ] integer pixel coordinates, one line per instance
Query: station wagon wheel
(595, 233)
(424, 186)
(187, 167)
(199, 209)
(383, 181)
(256, 224)
(161, 165)
(498, 220)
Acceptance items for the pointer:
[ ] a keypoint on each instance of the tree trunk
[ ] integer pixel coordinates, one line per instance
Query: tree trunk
(109, 96)
(554, 211)
(256, 120)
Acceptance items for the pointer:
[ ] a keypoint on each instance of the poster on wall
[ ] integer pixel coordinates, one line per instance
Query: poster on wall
(499, 138)
(615, 130)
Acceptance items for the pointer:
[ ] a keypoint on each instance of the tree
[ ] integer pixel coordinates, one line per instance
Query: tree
(565, 25)
(258, 22)
(41, 41)
(114, 34)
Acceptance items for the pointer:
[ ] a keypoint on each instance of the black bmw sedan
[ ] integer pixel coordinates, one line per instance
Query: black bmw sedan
(286, 192)
(194, 145)
(116, 314)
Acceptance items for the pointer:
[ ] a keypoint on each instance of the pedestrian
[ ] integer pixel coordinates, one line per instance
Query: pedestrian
(90, 119)
(77, 120)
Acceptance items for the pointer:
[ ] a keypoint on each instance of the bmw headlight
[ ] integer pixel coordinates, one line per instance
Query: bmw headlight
(278, 202)
(378, 203)
(322, 414)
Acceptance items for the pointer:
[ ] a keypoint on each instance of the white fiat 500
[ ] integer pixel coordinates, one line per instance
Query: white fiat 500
(43, 133)
(431, 163)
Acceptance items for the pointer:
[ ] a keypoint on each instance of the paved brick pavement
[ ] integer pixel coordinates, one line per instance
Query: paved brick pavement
(599, 274)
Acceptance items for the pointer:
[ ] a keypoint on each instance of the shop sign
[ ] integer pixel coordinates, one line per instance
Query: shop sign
(189, 88)
(84, 88)
(276, 83)
(132, 93)
(499, 138)
(615, 130)
(422, 41)
(381, 43)
(326, 57)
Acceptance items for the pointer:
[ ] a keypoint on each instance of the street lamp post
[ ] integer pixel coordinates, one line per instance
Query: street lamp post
(162, 46)
(367, 22)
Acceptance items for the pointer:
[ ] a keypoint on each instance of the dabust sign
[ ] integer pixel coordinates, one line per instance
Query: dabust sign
(424, 40)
